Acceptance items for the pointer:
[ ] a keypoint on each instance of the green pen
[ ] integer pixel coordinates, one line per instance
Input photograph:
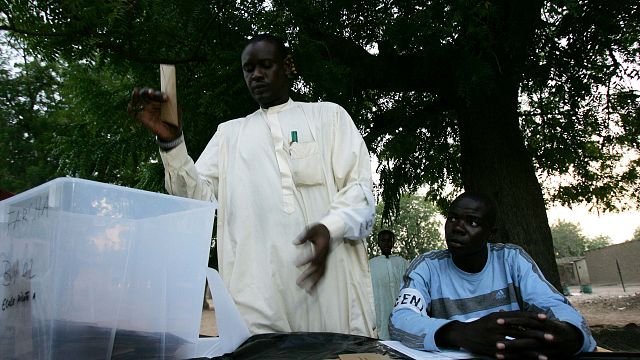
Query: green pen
(294, 136)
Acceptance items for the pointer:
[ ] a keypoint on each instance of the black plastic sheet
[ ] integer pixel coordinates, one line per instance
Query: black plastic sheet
(308, 346)
(324, 346)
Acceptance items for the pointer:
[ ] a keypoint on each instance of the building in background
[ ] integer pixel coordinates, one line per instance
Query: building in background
(615, 264)
(573, 270)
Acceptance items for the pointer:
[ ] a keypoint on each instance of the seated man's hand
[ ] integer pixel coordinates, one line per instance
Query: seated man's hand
(554, 339)
(488, 335)
(319, 235)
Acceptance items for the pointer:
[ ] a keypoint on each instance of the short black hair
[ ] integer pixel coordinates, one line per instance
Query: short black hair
(278, 42)
(387, 232)
(488, 202)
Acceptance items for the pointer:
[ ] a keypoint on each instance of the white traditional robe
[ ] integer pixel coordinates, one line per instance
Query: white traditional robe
(386, 276)
(268, 190)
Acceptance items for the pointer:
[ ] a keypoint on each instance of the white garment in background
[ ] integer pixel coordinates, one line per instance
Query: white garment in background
(386, 276)
(268, 190)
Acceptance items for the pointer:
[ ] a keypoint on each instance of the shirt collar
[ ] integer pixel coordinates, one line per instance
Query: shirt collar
(277, 108)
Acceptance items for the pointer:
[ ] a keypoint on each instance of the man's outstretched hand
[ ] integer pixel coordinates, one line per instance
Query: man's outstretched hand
(320, 237)
(144, 106)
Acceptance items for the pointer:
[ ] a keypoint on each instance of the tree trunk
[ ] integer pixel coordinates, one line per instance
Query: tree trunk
(496, 162)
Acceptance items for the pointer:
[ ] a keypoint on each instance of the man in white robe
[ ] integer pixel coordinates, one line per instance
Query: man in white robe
(386, 275)
(293, 185)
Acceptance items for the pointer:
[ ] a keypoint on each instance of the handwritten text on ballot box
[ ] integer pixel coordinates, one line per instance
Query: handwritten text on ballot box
(94, 271)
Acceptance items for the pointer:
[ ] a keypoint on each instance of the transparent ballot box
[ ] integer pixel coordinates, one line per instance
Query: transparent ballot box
(97, 271)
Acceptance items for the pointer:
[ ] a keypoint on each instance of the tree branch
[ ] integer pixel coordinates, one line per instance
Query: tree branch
(389, 70)
(110, 46)
(10, 28)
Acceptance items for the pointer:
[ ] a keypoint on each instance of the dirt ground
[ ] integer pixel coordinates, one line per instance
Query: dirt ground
(612, 314)
(208, 321)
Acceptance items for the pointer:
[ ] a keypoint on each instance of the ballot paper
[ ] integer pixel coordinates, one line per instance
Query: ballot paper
(232, 329)
(169, 109)
(420, 355)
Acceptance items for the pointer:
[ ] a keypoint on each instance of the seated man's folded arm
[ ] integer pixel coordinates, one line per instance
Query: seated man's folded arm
(409, 322)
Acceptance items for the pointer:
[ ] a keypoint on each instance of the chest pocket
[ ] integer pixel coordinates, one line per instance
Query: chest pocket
(306, 164)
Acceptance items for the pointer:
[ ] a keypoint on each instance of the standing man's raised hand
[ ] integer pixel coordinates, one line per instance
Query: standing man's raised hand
(144, 106)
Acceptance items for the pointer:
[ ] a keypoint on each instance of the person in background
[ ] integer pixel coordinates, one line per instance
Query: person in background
(293, 186)
(486, 298)
(386, 276)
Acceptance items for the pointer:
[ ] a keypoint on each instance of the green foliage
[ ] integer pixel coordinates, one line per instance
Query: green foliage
(97, 53)
(29, 97)
(636, 235)
(597, 242)
(581, 115)
(568, 240)
(417, 228)
(97, 140)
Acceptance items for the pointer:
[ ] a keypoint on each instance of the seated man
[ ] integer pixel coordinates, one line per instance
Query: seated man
(486, 298)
